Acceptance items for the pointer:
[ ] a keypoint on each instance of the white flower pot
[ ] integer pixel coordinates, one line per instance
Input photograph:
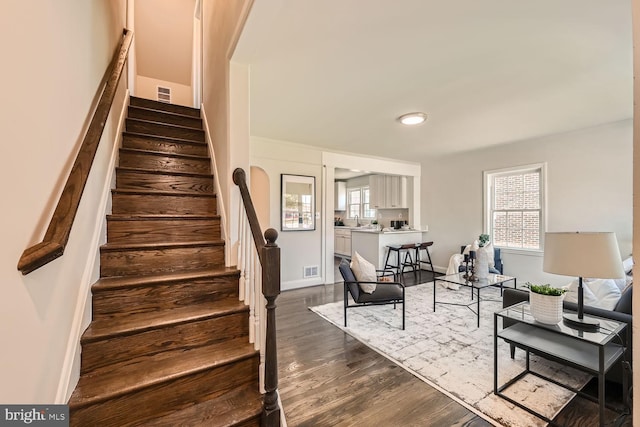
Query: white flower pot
(546, 308)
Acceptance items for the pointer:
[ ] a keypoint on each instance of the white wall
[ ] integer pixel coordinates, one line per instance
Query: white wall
(164, 40)
(58, 54)
(298, 248)
(238, 150)
(222, 22)
(313, 248)
(589, 188)
(147, 87)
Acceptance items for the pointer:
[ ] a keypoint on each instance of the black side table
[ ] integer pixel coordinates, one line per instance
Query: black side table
(591, 352)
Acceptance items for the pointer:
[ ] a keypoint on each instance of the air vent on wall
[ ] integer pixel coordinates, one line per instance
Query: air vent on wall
(311, 271)
(164, 94)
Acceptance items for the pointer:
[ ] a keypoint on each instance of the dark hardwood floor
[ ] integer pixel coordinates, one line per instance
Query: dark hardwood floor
(328, 378)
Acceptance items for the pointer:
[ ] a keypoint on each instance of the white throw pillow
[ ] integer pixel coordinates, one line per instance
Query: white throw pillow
(364, 272)
(572, 294)
(601, 293)
(474, 247)
(606, 292)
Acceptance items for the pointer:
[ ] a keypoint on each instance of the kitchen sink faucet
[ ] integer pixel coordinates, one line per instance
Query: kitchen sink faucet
(357, 222)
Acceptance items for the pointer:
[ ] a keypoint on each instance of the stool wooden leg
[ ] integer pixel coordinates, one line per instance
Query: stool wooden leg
(386, 261)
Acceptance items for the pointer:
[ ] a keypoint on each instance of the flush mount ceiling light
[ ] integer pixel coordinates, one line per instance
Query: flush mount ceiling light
(411, 119)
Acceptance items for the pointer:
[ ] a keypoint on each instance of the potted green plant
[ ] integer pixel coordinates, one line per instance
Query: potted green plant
(546, 303)
(483, 239)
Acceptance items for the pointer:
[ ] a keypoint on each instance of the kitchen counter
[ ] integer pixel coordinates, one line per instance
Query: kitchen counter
(372, 244)
(391, 231)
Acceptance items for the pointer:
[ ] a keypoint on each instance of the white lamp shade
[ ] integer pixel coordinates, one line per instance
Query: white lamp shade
(594, 255)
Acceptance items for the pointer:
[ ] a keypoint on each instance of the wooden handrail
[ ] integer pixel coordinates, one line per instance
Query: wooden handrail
(240, 179)
(57, 235)
(269, 255)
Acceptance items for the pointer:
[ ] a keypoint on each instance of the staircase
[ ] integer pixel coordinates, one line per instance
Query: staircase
(168, 344)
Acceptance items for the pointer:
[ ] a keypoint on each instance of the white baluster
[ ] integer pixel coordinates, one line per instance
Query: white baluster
(241, 258)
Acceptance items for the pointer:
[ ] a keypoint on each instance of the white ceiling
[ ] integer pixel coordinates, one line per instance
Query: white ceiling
(336, 73)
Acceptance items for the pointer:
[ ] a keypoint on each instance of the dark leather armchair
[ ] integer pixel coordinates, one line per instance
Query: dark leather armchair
(498, 267)
(385, 292)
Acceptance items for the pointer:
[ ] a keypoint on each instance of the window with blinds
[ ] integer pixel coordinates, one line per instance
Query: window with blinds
(515, 207)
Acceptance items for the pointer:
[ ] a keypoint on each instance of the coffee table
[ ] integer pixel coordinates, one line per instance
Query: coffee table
(460, 279)
(592, 352)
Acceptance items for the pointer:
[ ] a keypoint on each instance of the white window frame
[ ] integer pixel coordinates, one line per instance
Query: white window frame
(488, 201)
(361, 204)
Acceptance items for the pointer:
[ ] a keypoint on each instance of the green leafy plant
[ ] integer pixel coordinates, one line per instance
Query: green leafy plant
(545, 289)
(483, 239)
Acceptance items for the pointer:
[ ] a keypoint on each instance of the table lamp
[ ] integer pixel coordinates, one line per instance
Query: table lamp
(593, 255)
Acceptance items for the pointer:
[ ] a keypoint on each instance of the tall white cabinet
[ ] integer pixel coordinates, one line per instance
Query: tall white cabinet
(388, 191)
(340, 196)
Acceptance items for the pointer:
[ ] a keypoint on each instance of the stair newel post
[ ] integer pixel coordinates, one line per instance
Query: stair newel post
(270, 257)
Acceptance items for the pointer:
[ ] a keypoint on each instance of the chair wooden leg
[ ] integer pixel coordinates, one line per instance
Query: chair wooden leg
(513, 351)
(386, 260)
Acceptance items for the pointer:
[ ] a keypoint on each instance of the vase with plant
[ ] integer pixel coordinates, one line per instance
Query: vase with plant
(546, 303)
(482, 261)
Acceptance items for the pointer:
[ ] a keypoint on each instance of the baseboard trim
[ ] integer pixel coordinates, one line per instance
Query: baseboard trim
(304, 283)
(221, 203)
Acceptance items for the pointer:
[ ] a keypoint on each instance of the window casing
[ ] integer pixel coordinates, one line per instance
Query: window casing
(514, 207)
(358, 203)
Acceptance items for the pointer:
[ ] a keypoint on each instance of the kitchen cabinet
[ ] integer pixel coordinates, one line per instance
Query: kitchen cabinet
(388, 191)
(377, 190)
(395, 191)
(342, 241)
(340, 196)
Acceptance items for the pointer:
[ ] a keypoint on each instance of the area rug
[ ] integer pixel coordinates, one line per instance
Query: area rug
(447, 350)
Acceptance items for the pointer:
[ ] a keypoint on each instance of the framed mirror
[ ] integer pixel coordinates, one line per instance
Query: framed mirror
(297, 208)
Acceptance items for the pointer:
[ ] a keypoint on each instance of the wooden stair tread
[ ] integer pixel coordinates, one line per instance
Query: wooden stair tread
(155, 122)
(160, 217)
(131, 375)
(112, 283)
(164, 172)
(164, 138)
(163, 154)
(161, 193)
(139, 322)
(137, 101)
(171, 113)
(108, 247)
(230, 409)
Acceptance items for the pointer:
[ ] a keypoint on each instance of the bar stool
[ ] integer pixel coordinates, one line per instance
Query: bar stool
(424, 246)
(401, 263)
